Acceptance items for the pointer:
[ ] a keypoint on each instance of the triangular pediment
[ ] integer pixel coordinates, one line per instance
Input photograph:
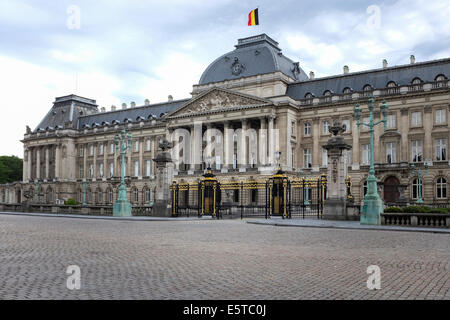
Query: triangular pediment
(218, 99)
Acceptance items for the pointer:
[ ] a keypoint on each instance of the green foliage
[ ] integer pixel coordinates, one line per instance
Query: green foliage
(10, 169)
(71, 202)
(416, 209)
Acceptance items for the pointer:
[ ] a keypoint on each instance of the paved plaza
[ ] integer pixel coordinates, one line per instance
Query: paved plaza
(209, 259)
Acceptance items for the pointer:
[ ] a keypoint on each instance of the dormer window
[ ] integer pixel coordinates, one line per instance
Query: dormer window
(416, 81)
(391, 84)
(327, 93)
(440, 77)
(367, 87)
(347, 90)
(309, 95)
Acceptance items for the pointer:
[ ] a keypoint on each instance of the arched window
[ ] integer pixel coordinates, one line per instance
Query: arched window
(135, 195)
(440, 77)
(392, 87)
(110, 195)
(327, 93)
(99, 199)
(391, 84)
(416, 189)
(309, 95)
(347, 90)
(367, 87)
(416, 81)
(441, 188)
(146, 192)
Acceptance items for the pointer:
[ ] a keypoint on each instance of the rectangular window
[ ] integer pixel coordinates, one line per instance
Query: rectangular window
(325, 127)
(347, 125)
(416, 150)
(293, 157)
(91, 150)
(81, 172)
(390, 121)
(348, 158)
(441, 149)
(148, 168)
(440, 117)
(100, 170)
(293, 128)
(111, 170)
(307, 158)
(218, 163)
(100, 150)
(416, 118)
(147, 145)
(81, 151)
(91, 170)
(111, 148)
(234, 160)
(136, 146)
(365, 154)
(307, 128)
(324, 157)
(391, 152)
(136, 168)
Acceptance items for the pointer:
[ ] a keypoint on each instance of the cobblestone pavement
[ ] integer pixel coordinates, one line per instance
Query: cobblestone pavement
(227, 259)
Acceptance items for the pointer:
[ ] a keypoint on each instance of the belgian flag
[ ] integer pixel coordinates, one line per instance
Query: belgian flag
(253, 19)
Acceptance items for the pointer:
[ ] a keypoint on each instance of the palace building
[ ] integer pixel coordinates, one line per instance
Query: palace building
(248, 105)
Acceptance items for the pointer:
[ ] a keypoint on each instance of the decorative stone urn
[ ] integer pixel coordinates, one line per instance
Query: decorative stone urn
(335, 203)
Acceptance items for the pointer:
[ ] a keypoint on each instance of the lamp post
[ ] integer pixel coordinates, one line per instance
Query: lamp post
(372, 205)
(278, 157)
(419, 173)
(122, 207)
(84, 185)
(304, 176)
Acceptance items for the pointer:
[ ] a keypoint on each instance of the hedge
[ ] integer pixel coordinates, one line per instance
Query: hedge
(416, 209)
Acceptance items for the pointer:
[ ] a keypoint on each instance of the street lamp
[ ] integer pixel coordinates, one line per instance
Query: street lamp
(305, 187)
(278, 157)
(372, 205)
(150, 201)
(84, 185)
(419, 173)
(122, 207)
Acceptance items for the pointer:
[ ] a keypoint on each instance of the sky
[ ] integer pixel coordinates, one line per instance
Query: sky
(117, 51)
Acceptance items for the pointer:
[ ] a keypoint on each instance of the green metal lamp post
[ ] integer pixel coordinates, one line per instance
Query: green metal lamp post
(122, 207)
(372, 205)
(419, 173)
(84, 185)
(305, 185)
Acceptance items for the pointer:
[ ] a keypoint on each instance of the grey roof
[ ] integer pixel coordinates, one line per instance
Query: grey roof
(158, 110)
(377, 78)
(66, 110)
(259, 55)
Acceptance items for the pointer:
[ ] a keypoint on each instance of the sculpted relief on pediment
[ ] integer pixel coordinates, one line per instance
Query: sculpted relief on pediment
(218, 100)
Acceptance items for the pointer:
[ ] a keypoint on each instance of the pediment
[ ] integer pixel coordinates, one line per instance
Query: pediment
(216, 100)
(390, 134)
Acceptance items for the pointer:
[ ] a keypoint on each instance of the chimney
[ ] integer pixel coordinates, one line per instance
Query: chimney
(346, 70)
(132, 104)
(113, 108)
(170, 98)
(311, 75)
(412, 59)
(102, 109)
(147, 102)
(385, 64)
(124, 105)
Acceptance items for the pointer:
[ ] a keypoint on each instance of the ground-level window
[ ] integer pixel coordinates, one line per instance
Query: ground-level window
(416, 189)
(441, 188)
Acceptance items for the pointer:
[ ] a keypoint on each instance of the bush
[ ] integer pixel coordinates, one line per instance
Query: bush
(393, 210)
(71, 202)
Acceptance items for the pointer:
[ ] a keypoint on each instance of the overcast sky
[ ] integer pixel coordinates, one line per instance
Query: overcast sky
(129, 50)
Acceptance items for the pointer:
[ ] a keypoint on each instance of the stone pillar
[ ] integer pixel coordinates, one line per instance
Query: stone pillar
(47, 162)
(427, 123)
(271, 135)
(196, 146)
(26, 161)
(141, 158)
(356, 151)
(227, 145)
(164, 177)
(105, 160)
(243, 147)
(335, 205)
(95, 162)
(85, 152)
(208, 144)
(38, 163)
(57, 160)
(403, 126)
(116, 169)
(316, 154)
(262, 143)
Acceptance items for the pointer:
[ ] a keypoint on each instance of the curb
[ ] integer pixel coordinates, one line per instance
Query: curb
(385, 228)
(135, 218)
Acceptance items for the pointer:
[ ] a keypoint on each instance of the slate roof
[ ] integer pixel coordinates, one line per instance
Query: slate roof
(377, 78)
(259, 55)
(157, 110)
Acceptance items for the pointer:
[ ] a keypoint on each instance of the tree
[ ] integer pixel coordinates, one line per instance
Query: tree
(10, 169)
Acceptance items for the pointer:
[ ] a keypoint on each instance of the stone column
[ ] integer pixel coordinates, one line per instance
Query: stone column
(427, 123)
(95, 161)
(38, 163)
(47, 162)
(243, 147)
(335, 205)
(271, 135)
(209, 144)
(26, 161)
(316, 153)
(116, 169)
(227, 145)
(141, 157)
(105, 160)
(262, 143)
(85, 152)
(57, 160)
(355, 152)
(197, 146)
(403, 126)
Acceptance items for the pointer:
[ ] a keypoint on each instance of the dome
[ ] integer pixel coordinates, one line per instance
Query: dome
(254, 55)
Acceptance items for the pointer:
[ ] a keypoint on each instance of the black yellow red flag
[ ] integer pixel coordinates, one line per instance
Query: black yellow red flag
(253, 19)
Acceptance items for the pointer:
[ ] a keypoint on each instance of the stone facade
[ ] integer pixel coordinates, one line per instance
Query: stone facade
(236, 125)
